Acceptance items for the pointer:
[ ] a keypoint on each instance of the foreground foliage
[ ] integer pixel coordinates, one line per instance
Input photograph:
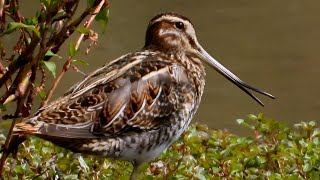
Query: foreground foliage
(276, 152)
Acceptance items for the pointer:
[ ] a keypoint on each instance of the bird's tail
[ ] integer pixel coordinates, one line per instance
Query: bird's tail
(26, 128)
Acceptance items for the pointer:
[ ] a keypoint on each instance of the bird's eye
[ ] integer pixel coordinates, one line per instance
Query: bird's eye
(179, 25)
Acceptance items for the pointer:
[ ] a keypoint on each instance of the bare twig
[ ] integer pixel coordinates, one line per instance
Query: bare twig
(43, 80)
(27, 64)
(31, 68)
(78, 70)
(22, 60)
(3, 71)
(69, 60)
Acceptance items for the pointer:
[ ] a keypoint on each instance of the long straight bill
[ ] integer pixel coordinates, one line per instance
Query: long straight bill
(230, 76)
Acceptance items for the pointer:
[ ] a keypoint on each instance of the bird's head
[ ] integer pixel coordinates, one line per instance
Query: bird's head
(174, 33)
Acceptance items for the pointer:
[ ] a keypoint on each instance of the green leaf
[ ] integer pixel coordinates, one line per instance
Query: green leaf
(240, 121)
(83, 30)
(50, 53)
(215, 169)
(307, 167)
(103, 18)
(63, 163)
(60, 14)
(315, 133)
(71, 176)
(45, 150)
(252, 117)
(2, 107)
(32, 21)
(82, 62)
(18, 169)
(314, 175)
(83, 163)
(244, 123)
(42, 95)
(51, 66)
(72, 49)
(45, 2)
(50, 3)
(12, 26)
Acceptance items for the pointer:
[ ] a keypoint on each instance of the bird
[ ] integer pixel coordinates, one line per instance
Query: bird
(137, 105)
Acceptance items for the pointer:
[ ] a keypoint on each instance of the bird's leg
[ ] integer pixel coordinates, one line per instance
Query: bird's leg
(135, 172)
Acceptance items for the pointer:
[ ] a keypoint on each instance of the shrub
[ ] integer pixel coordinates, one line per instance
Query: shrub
(276, 151)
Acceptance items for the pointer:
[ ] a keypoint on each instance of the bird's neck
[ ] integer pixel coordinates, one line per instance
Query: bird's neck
(194, 69)
(196, 72)
(193, 65)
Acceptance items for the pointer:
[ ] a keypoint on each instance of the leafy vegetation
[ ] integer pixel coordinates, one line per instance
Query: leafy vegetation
(276, 151)
(29, 46)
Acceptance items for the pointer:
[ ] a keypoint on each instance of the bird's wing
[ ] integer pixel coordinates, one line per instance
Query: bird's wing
(136, 96)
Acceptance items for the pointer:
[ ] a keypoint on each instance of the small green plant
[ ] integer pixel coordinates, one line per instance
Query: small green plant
(276, 151)
(29, 46)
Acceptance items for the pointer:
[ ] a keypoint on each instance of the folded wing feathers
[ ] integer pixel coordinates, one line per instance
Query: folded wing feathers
(130, 105)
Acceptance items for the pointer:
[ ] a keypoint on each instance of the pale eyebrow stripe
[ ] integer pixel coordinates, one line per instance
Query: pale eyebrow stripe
(171, 18)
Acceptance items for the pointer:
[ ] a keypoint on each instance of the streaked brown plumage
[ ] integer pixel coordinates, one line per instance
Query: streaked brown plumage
(137, 105)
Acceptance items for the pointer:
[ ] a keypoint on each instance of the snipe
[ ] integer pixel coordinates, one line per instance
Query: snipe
(137, 105)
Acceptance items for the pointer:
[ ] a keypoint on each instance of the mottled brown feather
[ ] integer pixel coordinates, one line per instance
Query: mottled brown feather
(138, 98)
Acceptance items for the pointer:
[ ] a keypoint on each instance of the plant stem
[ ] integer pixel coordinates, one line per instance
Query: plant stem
(67, 64)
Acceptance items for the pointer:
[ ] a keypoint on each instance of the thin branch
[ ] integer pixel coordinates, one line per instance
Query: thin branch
(5, 147)
(69, 60)
(22, 110)
(78, 70)
(3, 71)
(27, 62)
(59, 38)
(22, 60)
